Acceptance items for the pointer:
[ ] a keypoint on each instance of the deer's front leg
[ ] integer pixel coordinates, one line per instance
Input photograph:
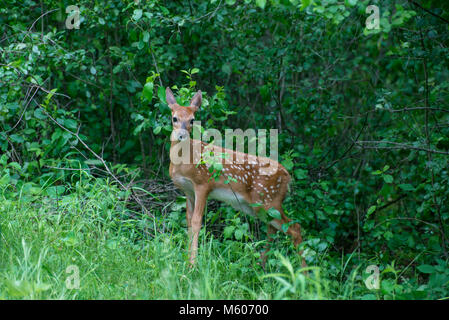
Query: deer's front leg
(190, 203)
(197, 217)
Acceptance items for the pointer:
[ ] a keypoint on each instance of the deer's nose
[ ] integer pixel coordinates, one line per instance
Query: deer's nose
(181, 134)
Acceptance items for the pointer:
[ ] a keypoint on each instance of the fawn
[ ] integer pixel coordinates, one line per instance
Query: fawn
(249, 191)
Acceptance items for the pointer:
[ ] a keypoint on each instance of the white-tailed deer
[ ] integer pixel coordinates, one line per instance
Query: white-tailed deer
(240, 184)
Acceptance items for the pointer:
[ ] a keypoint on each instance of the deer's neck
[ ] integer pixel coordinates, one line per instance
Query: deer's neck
(187, 152)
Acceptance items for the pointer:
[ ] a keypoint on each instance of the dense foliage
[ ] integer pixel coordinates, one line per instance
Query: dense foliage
(363, 116)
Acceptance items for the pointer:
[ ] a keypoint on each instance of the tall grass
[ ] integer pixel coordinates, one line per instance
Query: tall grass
(43, 238)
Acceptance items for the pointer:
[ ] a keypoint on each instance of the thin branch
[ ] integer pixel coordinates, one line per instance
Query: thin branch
(391, 203)
(42, 15)
(396, 145)
(85, 81)
(417, 108)
(428, 11)
(351, 146)
(24, 109)
(408, 218)
(429, 154)
(155, 65)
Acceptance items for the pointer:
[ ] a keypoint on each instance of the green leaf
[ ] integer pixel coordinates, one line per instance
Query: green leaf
(94, 162)
(238, 234)
(319, 9)
(300, 174)
(161, 94)
(255, 205)
(388, 178)
(140, 45)
(19, 288)
(226, 68)
(70, 123)
(351, 2)
(147, 91)
(55, 191)
(15, 165)
(112, 244)
(305, 4)
(370, 211)
(194, 70)
(5, 180)
(146, 36)
(38, 113)
(16, 138)
(425, 268)
(137, 14)
(218, 166)
(288, 164)
(157, 129)
(164, 10)
(228, 231)
(70, 239)
(39, 287)
(261, 3)
(407, 187)
(117, 69)
(275, 214)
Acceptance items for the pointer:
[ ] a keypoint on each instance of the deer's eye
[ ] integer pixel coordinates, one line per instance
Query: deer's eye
(175, 119)
(191, 122)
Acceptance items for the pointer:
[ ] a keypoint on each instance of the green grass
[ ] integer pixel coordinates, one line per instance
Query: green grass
(119, 257)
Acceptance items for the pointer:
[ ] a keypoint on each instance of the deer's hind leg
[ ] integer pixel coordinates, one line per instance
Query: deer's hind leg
(263, 256)
(294, 230)
(272, 197)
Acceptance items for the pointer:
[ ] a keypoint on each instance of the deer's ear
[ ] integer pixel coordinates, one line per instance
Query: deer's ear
(170, 97)
(196, 100)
